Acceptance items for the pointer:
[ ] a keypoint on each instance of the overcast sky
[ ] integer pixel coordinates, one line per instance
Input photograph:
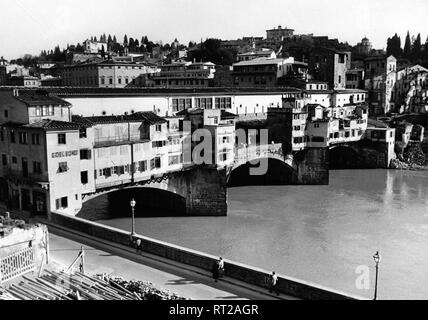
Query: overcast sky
(28, 26)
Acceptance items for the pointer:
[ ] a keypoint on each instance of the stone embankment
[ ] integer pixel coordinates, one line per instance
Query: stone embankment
(413, 158)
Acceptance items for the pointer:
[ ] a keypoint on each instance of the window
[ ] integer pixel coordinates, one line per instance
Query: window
(223, 155)
(4, 159)
(142, 166)
(159, 144)
(35, 138)
(172, 160)
(61, 203)
(107, 172)
(12, 137)
(38, 111)
(23, 138)
(223, 103)
(84, 177)
(62, 167)
(85, 154)
(14, 160)
(6, 113)
(316, 125)
(62, 138)
(317, 139)
(82, 133)
(37, 167)
(158, 128)
(296, 116)
(155, 163)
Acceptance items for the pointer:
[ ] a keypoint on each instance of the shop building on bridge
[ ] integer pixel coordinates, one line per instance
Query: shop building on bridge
(52, 160)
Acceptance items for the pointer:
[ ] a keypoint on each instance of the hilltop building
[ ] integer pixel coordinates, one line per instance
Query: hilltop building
(185, 74)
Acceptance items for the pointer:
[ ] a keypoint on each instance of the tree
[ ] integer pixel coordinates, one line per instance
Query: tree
(103, 52)
(417, 48)
(125, 40)
(407, 46)
(211, 50)
(394, 46)
(114, 39)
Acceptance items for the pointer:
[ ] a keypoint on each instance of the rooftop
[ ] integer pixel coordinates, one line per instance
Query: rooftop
(48, 124)
(148, 117)
(260, 61)
(39, 97)
(68, 92)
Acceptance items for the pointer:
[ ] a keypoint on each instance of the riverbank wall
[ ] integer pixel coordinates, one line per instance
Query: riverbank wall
(248, 274)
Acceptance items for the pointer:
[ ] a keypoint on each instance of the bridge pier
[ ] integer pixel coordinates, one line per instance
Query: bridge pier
(312, 166)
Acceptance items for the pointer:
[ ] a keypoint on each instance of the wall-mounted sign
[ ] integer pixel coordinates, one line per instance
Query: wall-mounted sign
(64, 154)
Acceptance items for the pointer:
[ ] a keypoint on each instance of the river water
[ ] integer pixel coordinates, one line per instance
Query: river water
(316, 233)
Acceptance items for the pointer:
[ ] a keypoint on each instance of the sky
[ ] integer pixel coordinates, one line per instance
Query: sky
(29, 26)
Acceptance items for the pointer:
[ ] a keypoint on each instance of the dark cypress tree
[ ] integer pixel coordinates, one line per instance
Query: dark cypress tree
(125, 40)
(114, 39)
(407, 46)
(103, 52)
(417, 48)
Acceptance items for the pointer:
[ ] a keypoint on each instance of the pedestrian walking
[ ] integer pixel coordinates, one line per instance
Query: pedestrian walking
(220, 267)
(273, 283)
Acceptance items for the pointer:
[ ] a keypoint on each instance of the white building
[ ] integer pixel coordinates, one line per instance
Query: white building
(185, 74)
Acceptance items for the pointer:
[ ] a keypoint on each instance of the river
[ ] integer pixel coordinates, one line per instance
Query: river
(316, 233)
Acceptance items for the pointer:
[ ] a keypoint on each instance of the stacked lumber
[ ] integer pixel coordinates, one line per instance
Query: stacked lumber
(144, 289)
(78, 286)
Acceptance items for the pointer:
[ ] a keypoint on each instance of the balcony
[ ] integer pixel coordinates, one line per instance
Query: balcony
(107, 141)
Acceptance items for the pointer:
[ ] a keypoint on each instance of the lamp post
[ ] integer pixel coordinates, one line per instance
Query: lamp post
(133, 203)
(376, 258)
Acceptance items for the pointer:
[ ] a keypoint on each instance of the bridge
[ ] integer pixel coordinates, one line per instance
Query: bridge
(201, 190)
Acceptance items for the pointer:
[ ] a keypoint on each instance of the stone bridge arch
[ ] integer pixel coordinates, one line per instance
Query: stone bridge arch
(280, 169)
(358, 155)
(198, 191)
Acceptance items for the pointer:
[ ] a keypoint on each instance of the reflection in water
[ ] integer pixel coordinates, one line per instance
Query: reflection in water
(316, 233)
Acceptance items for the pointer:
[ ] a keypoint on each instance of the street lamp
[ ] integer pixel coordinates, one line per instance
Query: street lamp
(376, 258)
(133, 203)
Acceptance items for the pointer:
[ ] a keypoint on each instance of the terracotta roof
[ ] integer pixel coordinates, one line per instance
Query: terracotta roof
(148, 117)
(48, 124)
(39, 97)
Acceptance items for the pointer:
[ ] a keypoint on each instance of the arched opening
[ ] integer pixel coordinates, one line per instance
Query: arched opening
(278, 173)
(150, 202)
(344, 157)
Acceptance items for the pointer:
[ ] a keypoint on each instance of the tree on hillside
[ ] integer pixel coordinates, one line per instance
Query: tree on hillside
(417, 48)
(394, 46)
(407, 46)
(211, 50)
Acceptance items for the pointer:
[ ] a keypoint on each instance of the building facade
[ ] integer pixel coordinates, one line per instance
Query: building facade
(107, 74)
(265, 72)
(185, 74)
(279, 34)
(329, 65)
(380, 78)
(51, 160)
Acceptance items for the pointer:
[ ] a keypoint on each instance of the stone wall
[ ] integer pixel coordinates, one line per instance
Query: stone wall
(234, 270)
